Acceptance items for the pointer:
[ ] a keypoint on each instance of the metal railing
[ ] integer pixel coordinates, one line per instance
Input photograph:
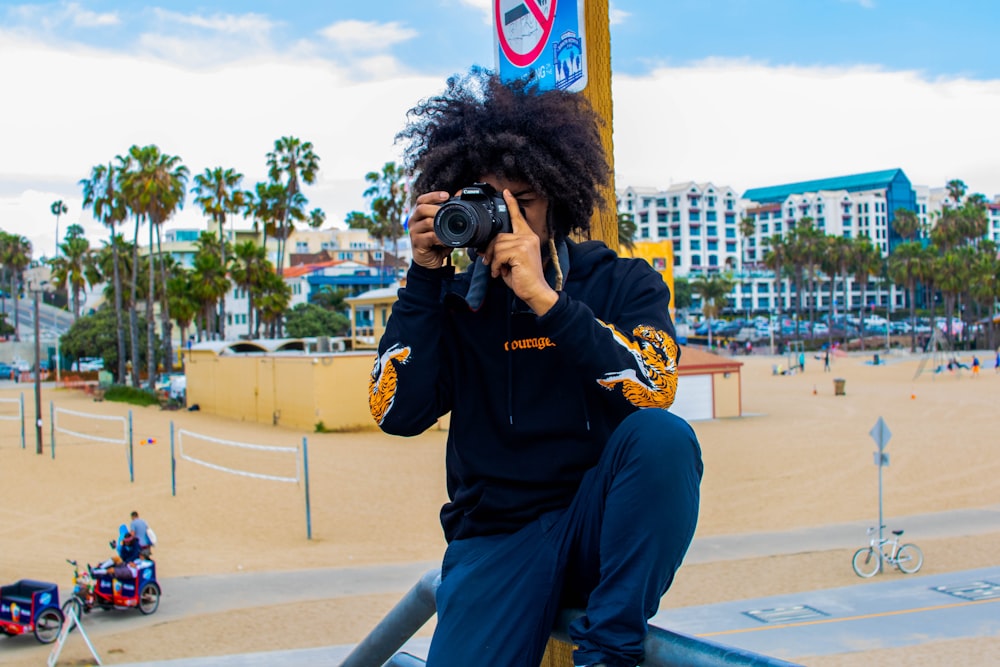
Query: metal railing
(663, 648)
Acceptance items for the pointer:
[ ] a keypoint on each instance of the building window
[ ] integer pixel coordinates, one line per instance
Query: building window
(661, 217)
(710, 216)
(712, 230)
(730, 246)
(713, 245)
(695, 244)
(675, 216)
(661, 232)
(694, 215)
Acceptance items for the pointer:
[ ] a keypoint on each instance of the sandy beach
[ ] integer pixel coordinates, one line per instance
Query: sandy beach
(800, 456)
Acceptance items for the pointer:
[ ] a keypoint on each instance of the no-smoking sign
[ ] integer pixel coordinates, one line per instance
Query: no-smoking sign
(544, 37)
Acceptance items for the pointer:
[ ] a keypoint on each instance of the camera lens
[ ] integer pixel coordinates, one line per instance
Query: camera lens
(458, 224)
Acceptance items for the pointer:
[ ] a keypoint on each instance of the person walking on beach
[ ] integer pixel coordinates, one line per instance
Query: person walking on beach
(570, 484)
(826, 361)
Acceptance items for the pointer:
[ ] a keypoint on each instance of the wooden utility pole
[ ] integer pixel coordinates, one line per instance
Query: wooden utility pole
(604, 224)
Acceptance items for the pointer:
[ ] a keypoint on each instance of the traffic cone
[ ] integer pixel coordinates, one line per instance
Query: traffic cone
(814, 390)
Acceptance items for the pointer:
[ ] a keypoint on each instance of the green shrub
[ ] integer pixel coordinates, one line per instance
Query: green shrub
(131, 395)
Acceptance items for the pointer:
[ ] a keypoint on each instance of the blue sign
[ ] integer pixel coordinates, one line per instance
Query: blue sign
(544, 37)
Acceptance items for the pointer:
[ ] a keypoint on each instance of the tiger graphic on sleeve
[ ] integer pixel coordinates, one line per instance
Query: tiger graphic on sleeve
(382, 385)
(655, 353)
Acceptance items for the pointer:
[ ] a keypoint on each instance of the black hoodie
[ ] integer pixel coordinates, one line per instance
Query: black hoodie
(532, 399)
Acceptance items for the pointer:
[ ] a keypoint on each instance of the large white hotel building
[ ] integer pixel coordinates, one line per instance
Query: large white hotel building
(703, 223)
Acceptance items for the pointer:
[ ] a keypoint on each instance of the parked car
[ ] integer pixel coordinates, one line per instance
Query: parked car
(6, 371)
(90, 364)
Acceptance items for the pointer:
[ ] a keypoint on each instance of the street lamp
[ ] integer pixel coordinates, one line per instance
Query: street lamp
(36, 279)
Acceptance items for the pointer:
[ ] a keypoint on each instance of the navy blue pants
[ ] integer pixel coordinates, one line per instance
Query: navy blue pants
(612, 552)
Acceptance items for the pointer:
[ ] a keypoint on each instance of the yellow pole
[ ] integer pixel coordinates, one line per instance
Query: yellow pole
(604, 224)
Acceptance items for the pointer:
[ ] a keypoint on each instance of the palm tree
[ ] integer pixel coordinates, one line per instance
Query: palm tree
(713, 290)
(626, 232)
(71, 267)
(833, 262)
(183, 305)
(156, 186)
(952, 274)
(209, 278)
(293, 162)
(387, 192)
(906, 223)
(866, 261)
(58, 208)
(776, 258)
(217, 193)
(904, 269)
(984, 284)
(15, 254)
(100, 192)
(250, 270)
(748, 228)
(273, 298)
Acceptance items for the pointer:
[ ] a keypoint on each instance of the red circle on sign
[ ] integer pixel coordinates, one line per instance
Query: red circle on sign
(525, 59)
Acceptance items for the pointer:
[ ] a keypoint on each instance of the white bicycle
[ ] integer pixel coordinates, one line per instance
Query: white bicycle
(868, 560)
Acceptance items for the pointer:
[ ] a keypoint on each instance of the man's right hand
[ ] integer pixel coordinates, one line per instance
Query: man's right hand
(427, 250)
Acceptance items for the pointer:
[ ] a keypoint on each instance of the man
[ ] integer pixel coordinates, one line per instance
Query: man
(138, 534)
(570, 484)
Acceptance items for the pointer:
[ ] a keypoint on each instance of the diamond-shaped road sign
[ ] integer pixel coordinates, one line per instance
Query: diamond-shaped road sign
(880, 433)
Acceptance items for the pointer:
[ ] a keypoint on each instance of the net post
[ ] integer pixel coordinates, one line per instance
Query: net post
(23, 433)
(305, 474)
(52, 428)
(131, 451)
(173, 463)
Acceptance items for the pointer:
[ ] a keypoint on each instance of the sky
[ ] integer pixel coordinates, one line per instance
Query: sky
(739, 93)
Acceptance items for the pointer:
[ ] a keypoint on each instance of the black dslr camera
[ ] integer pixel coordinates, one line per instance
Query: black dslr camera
(473, 218)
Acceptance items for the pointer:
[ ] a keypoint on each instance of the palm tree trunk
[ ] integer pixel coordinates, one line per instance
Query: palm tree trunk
(222, 302)
(17, 311)
(150, 322)
(166, 326)
(133, 314)
(118, 308)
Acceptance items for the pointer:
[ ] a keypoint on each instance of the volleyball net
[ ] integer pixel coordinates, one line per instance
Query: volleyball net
(12, 410)
(271, 463)
(74, 427)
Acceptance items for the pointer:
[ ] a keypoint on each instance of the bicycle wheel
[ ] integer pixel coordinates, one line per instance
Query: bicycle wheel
(72, 604)
(48, 625)
(149, 598)
(866, 562)
(910, 558)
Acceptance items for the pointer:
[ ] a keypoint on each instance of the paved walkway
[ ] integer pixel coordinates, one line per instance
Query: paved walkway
(891, 610)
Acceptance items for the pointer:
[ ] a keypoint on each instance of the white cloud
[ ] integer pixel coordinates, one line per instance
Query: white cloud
(735, 123)
(746, 125)
(233, 24)
(84, 18)
(617, 16)
(67, 120)
(366, 35)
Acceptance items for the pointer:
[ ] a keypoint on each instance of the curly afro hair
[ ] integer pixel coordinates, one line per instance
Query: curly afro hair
(480, 125)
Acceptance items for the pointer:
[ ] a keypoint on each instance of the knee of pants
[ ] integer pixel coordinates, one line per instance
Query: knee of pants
(660, 438)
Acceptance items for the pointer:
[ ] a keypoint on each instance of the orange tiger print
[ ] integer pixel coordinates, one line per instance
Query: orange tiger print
(382, 385)
(655, 353)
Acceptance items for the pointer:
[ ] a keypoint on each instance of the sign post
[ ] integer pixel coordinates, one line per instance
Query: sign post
(566, 44)
(880, 434)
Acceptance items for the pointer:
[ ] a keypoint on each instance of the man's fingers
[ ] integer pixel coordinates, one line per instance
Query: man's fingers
(517, 222)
